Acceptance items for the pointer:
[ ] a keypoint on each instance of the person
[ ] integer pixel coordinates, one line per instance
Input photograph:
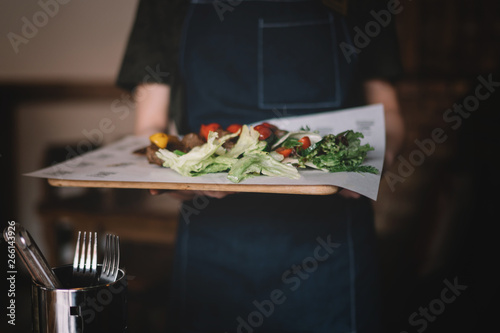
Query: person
(254, 262)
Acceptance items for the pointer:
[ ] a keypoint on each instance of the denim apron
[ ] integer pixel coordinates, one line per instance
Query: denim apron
(264, 262)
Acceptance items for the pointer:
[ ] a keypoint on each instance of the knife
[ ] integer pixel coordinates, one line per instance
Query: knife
(32, 257)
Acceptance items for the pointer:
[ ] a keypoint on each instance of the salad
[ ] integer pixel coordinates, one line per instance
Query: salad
(245, 151)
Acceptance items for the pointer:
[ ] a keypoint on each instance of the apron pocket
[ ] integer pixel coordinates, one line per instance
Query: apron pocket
(298, 66)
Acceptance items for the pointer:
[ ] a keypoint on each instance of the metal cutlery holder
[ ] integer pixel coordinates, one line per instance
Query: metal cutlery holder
(100, 308)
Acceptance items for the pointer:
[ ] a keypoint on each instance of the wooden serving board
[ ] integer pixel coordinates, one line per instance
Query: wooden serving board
(284, 189)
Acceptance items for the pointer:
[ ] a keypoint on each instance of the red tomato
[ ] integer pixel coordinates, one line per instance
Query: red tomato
(205, 129)
(284, 151)
(306, 142)
(234, 128)
(264, 132)
(270, 126)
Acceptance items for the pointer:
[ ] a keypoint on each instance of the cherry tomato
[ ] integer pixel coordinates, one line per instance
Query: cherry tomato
(270, 126)
(284, 151)
(264, 132)
(306, 142)
(205, 129)
(234, 128)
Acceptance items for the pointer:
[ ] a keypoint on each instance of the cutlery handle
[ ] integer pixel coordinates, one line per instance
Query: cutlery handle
(33, 258)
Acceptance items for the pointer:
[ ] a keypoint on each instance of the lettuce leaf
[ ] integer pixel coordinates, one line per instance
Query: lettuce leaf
(199, 160)
(211, 157)
(260, 163)
(247, 143)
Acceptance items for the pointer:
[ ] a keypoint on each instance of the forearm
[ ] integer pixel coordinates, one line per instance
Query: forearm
(152, 102)
(379, 91)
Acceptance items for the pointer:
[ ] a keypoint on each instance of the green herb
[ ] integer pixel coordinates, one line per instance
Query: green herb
(290, 143)
(342, 152)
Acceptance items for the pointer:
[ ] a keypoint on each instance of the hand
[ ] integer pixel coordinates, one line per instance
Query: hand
(348, 194)
(379, 91)
(185, 195)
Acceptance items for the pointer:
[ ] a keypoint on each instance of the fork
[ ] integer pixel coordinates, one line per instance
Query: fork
(111, 262)
(85, 260)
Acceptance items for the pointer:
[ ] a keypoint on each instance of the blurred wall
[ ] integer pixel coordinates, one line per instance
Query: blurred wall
(58, 45)
(63, 40)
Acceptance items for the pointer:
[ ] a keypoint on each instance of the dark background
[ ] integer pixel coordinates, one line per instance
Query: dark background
(439, 224)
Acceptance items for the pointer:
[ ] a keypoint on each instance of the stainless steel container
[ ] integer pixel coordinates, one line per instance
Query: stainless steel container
(101, 308)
